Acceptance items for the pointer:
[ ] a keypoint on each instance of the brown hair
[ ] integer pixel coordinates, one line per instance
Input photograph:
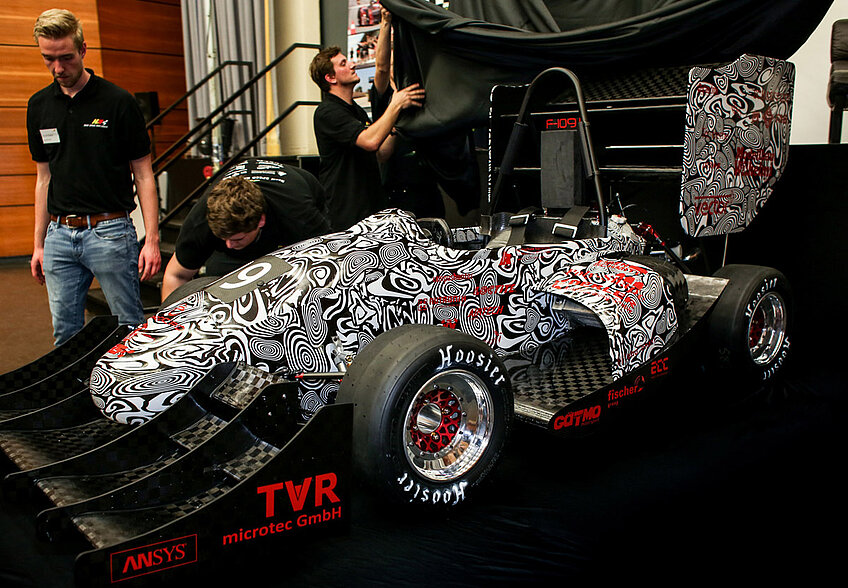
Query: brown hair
(235, 205)
(57, 23)
(322, 65)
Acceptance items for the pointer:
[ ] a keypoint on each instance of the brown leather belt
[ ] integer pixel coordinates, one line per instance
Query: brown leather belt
(86, 220)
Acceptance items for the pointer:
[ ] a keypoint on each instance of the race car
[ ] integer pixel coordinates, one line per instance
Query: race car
(558, 315)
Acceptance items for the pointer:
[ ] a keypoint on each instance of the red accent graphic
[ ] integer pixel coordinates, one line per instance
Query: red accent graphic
(753, 162)
(298, 493)
(452, 277)
(659, 367)
(626, 284)
(152, 558)
(613, 396)
(569, 122)
(447, 300)
(485, 311)
(449, 409)
(494, 289)
(578, 418)
(705, 88)
(712, 204)
(768, 117)
(715, 135)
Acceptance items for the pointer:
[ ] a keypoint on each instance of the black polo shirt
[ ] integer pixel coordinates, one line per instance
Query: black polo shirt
(349, 174)
(88, 141)
(295, 209)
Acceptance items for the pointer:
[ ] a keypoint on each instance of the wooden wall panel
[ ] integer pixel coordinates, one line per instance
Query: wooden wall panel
(15, 160)
(146, 72)
(19, 241)
(17, 190)
(26, 74)
(17, 18)
(147, 57)
(13, 125)
(150, 22)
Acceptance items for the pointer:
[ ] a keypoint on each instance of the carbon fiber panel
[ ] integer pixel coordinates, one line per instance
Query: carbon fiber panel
(99, 333)
(108, 528)
(32, 449)
(560, 375)
(69, 489)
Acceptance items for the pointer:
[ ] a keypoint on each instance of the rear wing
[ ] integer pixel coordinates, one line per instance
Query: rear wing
(713, 138)
(736, 142)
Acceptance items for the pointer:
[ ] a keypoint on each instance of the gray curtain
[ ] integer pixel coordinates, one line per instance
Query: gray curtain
(217, 31)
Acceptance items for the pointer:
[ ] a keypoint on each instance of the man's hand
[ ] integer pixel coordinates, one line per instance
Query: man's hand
(375, 137)
(176, 274)
(149, 260)
(412, 95)
(36, 265)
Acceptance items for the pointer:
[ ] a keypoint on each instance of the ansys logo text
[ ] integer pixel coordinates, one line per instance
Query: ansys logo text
(99, 123)
(151, 558)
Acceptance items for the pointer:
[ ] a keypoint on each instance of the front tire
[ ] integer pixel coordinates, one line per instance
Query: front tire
(750, 324)
(433, 411)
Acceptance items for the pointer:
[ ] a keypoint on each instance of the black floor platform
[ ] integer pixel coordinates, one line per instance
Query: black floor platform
(687, 491)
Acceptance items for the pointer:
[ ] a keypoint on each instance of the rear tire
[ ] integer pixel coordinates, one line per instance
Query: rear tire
(750, 324)
(433, 411)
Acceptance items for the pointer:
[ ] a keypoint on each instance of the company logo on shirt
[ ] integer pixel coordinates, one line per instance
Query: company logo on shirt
(98, 123)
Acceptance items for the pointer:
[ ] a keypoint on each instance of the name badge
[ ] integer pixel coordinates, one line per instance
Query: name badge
(49, 136)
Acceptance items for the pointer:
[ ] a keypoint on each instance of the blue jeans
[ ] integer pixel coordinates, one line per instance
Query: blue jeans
(72, 257)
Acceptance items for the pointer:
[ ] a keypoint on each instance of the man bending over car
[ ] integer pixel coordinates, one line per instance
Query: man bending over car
(256, 208)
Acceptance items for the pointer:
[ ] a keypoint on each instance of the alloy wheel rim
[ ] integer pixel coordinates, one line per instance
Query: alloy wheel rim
(448, 425)
(767, 328)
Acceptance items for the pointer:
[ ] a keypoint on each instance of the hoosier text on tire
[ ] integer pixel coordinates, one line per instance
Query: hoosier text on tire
(433, 410)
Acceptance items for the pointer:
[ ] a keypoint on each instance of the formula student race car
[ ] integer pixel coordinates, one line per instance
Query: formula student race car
(439, 337)
(404, 347)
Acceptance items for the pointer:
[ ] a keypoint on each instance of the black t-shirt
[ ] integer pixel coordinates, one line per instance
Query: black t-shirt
(295, 209)
(349, 174)
(88, 141)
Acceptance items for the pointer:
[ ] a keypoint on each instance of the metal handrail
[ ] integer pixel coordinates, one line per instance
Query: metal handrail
(214, 177)
(259, 75)
(155, 120)
(188, 146)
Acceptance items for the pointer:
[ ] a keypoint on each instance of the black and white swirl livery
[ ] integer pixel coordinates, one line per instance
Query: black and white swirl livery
(735, 142)
(307, 309)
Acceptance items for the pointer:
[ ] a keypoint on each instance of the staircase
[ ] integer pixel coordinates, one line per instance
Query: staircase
(186, 180)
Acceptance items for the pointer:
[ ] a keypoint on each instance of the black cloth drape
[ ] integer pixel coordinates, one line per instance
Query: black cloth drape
(458, 55)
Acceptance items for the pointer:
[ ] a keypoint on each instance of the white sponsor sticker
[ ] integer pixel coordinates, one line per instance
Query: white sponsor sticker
(49, 135)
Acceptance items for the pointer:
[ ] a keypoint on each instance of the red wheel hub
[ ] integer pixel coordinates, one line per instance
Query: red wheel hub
(755, 331)
(435, 419)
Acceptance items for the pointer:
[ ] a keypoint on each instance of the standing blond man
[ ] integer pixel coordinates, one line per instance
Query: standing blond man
(88, 139)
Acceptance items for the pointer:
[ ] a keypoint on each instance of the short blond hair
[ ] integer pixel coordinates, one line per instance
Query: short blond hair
(58, 23)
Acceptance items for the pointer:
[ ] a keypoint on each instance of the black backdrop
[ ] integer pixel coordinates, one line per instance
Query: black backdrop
(459, 58)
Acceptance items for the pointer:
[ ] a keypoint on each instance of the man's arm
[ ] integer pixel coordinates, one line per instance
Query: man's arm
(372, 138)
(383, 53)
(176, 274)
(42, 218)
(149, 259)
